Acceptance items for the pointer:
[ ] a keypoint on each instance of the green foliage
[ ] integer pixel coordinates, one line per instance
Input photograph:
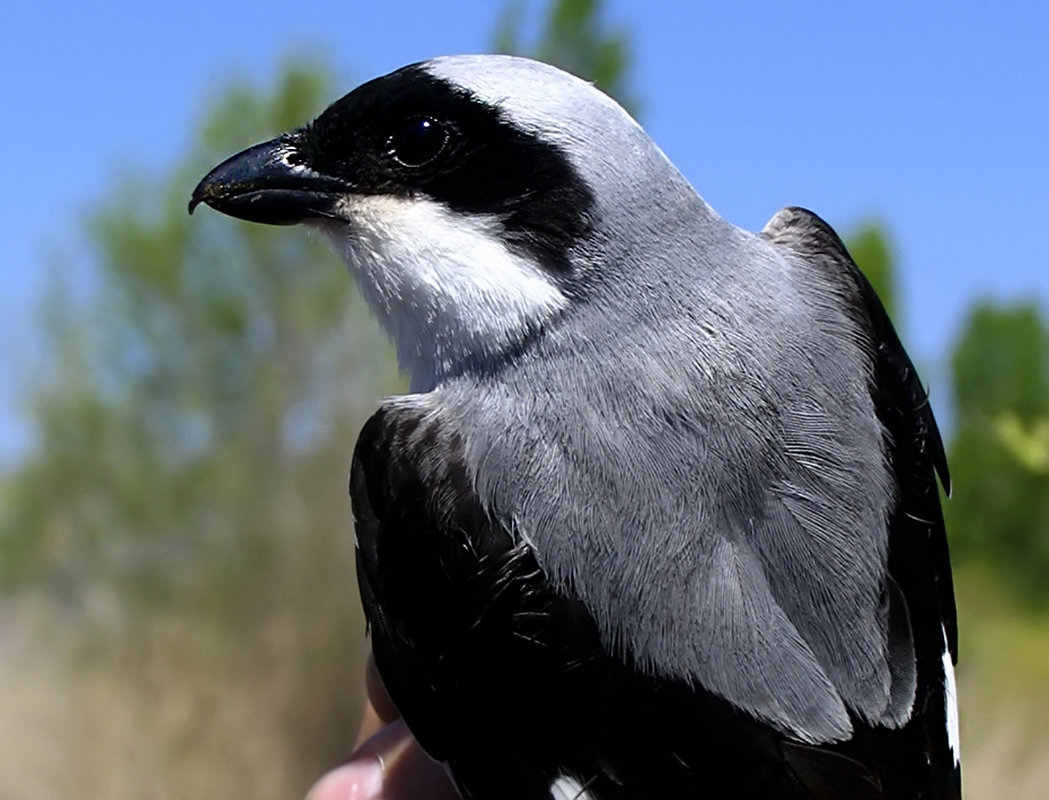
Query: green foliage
(205, 350)
(871, 250)
(574, 38)
(999, 455)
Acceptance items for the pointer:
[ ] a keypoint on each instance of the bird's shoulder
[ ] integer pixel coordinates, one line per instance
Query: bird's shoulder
(918, 560)
(423, 543)
(410, 474)
(916, 452)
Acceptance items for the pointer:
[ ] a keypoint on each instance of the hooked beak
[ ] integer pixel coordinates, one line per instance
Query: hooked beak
(271, 184)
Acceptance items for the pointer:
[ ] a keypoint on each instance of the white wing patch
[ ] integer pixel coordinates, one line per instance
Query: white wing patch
(444, 285)
(566, 788)
(950, 689)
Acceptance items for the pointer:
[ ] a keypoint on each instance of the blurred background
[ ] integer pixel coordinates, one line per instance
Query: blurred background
(179, 398)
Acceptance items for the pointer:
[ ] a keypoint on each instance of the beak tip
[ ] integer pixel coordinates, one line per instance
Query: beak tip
(200, 195)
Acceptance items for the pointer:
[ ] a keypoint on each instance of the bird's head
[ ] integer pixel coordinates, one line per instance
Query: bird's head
(471, 196)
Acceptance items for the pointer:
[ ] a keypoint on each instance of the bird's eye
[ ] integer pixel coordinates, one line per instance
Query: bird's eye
(417, 142)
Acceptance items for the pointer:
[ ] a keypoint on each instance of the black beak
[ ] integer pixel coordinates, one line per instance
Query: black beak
(269, 183)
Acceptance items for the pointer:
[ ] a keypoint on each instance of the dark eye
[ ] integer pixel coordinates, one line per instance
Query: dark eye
(417, 141)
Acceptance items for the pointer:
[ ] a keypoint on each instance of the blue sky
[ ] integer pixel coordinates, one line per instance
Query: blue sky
(931, 117)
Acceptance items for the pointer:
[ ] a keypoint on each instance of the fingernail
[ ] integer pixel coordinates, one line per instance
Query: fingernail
(364, 779)
(361, 779)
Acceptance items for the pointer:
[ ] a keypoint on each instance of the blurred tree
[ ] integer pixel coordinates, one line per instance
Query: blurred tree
(574, 38)
(870, 247)
(195, 434)
(999, 454)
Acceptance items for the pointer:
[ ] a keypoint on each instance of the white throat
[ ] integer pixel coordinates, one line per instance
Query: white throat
(443, 285)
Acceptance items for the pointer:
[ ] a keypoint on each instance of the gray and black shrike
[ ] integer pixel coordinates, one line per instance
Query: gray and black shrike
(660, 515)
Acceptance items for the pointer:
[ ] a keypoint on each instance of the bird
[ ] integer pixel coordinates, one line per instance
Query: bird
(659, 515)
